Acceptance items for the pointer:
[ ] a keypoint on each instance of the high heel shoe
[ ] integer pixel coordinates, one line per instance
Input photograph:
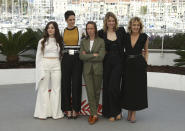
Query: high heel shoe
(74, 115)
(118, 117)
(112, 119)
(68, 115)
(132, 121)
(128, 119)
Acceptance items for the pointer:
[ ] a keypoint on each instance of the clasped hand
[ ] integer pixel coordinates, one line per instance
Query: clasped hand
(94, 54)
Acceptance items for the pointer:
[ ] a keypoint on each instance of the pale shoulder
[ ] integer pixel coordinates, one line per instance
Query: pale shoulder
(39, 44)
(40, 41)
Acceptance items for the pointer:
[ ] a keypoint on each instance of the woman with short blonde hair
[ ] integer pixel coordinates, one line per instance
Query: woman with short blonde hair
(135, 86)
(130, 24)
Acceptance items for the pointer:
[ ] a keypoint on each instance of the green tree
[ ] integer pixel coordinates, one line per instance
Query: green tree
(14, 45)
(176, 41)
(180, 61)
(155, 43)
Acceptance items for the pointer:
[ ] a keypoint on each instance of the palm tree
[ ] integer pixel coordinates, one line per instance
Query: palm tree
(14, 45)
(181, 60)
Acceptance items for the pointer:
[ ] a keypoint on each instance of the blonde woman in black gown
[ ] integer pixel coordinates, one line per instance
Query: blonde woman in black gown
(135, 87)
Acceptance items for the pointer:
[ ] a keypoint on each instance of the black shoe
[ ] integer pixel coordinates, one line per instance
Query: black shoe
(68, 115)
(119, 117)
(74, 114)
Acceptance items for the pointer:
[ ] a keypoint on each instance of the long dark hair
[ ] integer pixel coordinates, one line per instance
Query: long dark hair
(57, 36)
(95, 27)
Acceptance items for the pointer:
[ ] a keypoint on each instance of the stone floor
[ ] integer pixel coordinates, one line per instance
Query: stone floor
(166, 112)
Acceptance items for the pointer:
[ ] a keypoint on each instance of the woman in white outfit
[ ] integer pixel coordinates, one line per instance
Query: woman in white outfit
(48, 74)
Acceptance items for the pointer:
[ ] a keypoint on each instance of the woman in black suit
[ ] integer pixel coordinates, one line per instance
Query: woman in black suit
(114, 38)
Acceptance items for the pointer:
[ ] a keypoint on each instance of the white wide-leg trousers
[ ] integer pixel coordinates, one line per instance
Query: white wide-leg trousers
(48, 104)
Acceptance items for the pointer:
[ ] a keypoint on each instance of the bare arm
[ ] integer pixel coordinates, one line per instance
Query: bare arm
(145, 51)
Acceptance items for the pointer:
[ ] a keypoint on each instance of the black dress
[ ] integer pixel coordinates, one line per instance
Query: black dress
(112, 72)
(134, 93)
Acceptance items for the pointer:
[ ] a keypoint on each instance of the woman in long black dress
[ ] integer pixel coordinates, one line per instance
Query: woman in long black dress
(135, 87)
(114, 38)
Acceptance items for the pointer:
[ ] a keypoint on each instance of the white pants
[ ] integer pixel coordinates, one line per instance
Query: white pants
(48, 104)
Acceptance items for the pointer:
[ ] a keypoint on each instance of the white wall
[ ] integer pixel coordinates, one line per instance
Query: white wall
(166, 81)
(158, 80)
(16, 76)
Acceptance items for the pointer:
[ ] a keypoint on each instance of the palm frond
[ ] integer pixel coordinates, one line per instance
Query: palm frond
(10, 37)
(3, 38)
(180, 64)
(15, 44)
(180, 61)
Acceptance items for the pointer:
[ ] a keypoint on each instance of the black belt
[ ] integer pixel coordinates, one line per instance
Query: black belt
(71, 48)
(133, 56)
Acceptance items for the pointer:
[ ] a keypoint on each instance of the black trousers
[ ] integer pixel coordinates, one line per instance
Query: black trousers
(71, 82)
(112, 73)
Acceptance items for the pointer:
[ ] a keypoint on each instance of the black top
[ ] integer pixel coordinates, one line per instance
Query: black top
(139, 45)
(114, 46)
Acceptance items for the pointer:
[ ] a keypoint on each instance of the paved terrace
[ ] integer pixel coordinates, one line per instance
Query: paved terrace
(166, 112)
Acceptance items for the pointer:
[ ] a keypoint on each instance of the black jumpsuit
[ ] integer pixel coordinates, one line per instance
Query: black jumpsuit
(112, 72)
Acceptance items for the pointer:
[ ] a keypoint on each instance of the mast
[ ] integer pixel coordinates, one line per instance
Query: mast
(12, 9)
(6, 8)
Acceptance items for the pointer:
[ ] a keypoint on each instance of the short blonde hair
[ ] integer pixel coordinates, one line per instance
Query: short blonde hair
(133, 20)
(109, 14)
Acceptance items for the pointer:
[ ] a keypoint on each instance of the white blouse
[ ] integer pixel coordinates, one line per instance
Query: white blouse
(51, 50)
(91, 44)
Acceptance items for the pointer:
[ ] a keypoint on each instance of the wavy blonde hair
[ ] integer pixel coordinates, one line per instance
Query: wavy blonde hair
(109, 14)
(133, 20)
